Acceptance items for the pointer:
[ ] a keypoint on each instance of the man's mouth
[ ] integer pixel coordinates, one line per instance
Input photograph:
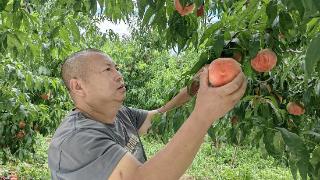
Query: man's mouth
(121, 87)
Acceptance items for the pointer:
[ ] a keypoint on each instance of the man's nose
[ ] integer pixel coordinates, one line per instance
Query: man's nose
(118, 76)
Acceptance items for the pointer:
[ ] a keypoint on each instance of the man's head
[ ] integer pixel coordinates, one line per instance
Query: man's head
(92, 78)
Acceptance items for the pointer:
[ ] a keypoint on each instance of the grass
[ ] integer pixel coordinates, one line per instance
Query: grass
(227, 162)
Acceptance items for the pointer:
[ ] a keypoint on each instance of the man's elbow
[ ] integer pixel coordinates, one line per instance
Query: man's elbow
(145, 127)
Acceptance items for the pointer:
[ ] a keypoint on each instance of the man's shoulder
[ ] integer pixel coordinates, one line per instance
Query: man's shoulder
(80, 145)
(129, 111)
(75, 123)
(124, 109)
(124, 112)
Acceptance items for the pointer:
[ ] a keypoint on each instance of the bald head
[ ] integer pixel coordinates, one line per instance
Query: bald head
(77, 65)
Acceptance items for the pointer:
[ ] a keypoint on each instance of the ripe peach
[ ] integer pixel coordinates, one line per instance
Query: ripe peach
(200, 10)
(295, 108)
(183, 11)
(223, 71)
(264, 61)
(45, 96)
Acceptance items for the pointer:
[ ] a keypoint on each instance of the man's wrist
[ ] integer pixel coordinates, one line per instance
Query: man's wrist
(160, 111)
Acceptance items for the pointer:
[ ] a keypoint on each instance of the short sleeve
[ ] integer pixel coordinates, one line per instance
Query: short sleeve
(89, 154)
(137, 116)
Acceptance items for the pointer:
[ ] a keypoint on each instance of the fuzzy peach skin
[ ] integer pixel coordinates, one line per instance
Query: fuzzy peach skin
(295, 108)
(183, 11)
(264, 61)
(223, 71)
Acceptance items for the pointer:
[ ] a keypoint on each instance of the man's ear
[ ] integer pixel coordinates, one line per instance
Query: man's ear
(77, 87)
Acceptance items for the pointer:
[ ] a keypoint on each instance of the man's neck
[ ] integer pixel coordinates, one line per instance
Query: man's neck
(106, 115)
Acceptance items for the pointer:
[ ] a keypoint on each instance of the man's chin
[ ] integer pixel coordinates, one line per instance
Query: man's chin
(121, 99)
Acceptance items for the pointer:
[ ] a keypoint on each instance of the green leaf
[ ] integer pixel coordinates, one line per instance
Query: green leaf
(74, 30)
(315, 156)
(299, 6)
(218, 44)
(315, 161)
(295, 5)
(316, 4)
(254, 47)
(310, 7)
(142, 4)
(203, 59)
(285, 21)
(29, 81)
(77, 6)
(293, 167)
(14, 41)
(312, 56)
(212, 29)
(303, 168)
(54, 32)
(278, 142)
(269, 143)
(16, 5)
(297, 146)
(17, 18)
(147, 16)
(271, 11)
(22, 111)
(315, 134)
(294, 143)
(64, 35)
(37, 84)
(317, 89)
(160, 20)
(274, 105)
(265, 113)
(93, 7)
(211, 133)
(247, 98)
(3, 4)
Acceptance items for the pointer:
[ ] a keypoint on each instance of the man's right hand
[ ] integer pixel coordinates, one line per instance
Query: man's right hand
(214, 102)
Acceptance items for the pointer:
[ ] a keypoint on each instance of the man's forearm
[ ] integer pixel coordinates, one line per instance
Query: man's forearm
(181, 98)
(174, 159)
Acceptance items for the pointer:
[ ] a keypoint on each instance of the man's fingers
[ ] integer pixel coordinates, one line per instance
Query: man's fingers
(234, 85)
(197, 75)
(240, 92)
(204, 78)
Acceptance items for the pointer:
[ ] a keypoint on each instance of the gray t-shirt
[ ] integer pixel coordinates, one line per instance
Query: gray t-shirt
(82, 148)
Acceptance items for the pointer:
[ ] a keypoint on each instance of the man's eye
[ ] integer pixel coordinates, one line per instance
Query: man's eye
(108, 69)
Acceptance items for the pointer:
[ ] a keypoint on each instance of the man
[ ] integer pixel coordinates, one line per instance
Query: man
(100, 140)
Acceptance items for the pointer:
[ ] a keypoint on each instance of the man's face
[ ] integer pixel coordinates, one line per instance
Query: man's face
(104, 83)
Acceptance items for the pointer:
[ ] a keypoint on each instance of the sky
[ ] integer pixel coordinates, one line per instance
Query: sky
(120, 28)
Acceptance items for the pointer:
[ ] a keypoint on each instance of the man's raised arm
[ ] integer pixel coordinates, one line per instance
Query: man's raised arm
(173, 160)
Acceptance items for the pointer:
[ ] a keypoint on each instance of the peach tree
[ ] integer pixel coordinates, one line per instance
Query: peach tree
(36, 35)
(240, 29)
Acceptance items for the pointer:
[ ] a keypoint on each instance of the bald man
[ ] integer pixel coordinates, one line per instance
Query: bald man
(99, 139)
